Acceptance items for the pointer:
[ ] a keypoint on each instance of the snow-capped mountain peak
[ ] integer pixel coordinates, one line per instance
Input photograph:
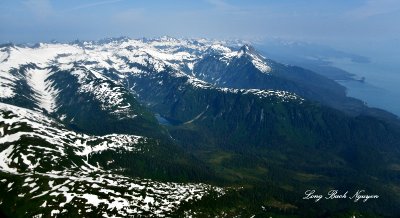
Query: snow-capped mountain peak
(257, 59)
(122, 54)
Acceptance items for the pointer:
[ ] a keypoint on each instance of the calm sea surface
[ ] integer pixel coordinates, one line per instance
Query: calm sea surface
(381, 88)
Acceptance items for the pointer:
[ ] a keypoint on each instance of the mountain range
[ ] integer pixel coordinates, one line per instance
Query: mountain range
(184, 127)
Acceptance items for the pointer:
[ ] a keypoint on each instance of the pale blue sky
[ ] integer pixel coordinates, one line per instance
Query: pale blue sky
(327, 21)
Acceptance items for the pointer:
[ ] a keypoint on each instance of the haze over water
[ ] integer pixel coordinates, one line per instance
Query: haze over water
(382, 80)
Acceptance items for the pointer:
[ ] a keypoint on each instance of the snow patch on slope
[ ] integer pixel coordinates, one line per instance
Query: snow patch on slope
(45, 93)
(5, 159)
(259, 63)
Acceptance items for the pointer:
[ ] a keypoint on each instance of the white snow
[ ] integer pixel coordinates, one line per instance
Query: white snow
(190, 66)
(148, 200)
(221, 48)
(261, 65)
(3, 56)
(5, 159)
(34, 189)
(198, 116)
(6, 91)
(28, 179)
(63, 189)
(44, 204)
(45, 94)
(54, 212)
(11, 138)
(93, 199)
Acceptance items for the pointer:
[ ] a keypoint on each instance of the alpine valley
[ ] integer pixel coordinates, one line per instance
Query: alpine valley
(171, 127)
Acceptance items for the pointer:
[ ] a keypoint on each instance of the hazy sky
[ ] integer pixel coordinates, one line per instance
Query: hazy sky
(332, 21)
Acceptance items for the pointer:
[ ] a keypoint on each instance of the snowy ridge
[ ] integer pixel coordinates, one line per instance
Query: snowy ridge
(52, 166)
(283, 96)
(123, 55)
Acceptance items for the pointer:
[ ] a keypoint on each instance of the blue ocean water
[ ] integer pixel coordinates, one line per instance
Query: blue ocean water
(381, 88)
